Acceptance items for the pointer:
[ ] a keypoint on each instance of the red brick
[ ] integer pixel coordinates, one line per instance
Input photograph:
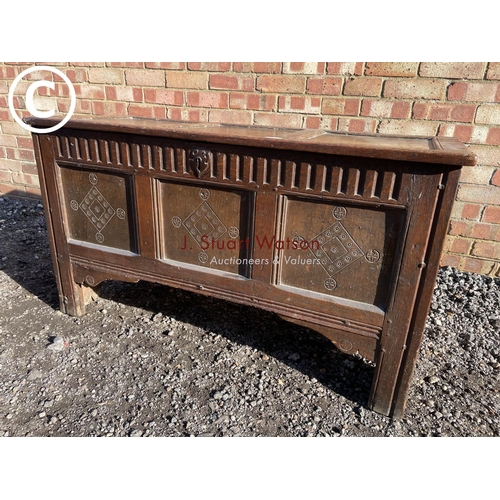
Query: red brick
(20, 154)
(187, 80)
(231, 82)
(130, 94)
(209, 66)
(444, 111)
(484, 231)
(363, 86)
(29, 168)
(307, 68)
(281, 83)
(62, 89)
(328, 85)
(312, 122)
(142, 111)
(401, 69)
(344, 68)
(474, 91)
(415, 89)
(5, 115)
(495, 180)
(188, 114)
(10, 73)
(469, 70)
(63, 105)
(461, 246)
(321, 122)
(125, 64)
(266, 102)
(475, 134)
(479, 266)
(207, 99)
(19, 102)
(159, 112)
(25, 179)
(109, 108)
(165, 65)
(98, 107)
(493, 72)
(110, 93)
(340, 106)
(25, 142)
(471, 211)
(493, 137)
(489, 195)
(230, 116)
(491, 214)
(357, 125)
(457, 91)
(450, 260)
(106, 75)
(385, 109)
(163, 96)
(85, 64)
(77, 75)
(486, 249)
(277, 120)
(257, 67)
(83, 107)
(299, 104)
(145, 77)
(462, 132)
(91, 92)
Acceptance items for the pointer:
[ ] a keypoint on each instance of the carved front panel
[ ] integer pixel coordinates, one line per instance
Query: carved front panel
(97, 209)
(339, 250)
(206, 226)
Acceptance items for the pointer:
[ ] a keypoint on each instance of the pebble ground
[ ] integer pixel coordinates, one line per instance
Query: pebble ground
(149, 360)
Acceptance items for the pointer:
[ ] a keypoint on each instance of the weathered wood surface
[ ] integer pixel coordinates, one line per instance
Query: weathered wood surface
(340, 233)
(447, 150)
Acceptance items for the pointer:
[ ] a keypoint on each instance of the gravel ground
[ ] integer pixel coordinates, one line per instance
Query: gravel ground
(148, 360)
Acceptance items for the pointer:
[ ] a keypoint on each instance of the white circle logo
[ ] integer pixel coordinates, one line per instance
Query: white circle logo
(30, 105)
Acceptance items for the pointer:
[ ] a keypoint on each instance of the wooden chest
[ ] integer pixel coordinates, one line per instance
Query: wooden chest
(340, 233)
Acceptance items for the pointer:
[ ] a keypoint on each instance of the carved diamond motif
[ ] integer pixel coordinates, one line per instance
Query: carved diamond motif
(337, 249)
(97, 209)
(203, 221)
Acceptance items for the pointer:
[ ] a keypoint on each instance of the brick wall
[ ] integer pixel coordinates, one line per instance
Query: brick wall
(447, 99)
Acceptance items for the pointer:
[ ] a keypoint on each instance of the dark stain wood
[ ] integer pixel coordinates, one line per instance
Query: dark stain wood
(341, 233)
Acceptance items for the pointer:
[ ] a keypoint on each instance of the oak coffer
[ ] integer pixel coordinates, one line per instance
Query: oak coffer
(337, 232)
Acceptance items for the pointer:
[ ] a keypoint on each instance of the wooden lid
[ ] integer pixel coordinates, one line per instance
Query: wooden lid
(444, 150)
